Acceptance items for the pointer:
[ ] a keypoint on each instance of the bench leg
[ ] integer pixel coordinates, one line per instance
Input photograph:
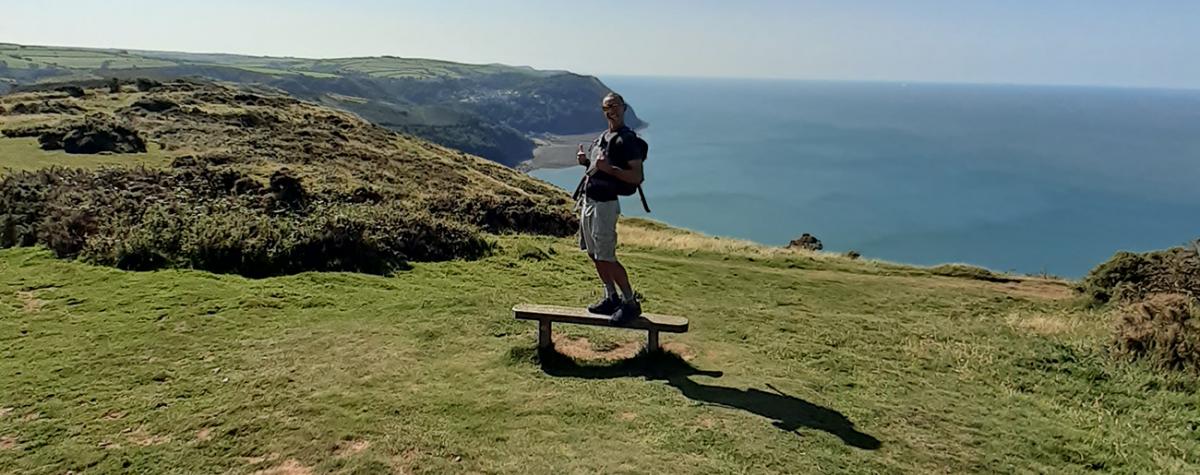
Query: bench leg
(652, 344)
(544, 341)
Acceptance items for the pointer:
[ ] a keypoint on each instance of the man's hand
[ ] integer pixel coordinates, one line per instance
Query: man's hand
(602, 164)
(582, 156)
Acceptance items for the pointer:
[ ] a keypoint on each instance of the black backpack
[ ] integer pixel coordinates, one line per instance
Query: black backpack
(623, 188)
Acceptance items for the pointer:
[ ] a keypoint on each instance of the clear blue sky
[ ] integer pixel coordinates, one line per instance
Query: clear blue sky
(1108, 42)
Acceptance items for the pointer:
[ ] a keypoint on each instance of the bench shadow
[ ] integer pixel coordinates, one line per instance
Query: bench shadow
(788, 413)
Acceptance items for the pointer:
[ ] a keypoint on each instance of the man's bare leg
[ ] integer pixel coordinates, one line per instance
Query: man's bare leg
(617, 273)
(606, 277)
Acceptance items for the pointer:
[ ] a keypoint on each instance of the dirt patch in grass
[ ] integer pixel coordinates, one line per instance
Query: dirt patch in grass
(348, 448)
(260, 459)
(403, 464)
(30, 302)
(288, 467)
(144, 438)
(583, 349)
(684, 351)
(8, 443)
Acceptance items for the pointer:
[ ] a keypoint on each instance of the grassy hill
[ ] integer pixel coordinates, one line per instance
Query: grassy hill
(51, 57)
(233, 180)
(795, 363)
(488, 110)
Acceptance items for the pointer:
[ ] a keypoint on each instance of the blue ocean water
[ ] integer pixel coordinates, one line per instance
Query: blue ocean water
(1026, 179)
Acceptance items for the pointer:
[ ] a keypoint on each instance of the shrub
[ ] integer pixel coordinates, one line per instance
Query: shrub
(502, 214)
(228, 238)
(1164, 330)
(1129, 277)
(144, 84)
(22, 204)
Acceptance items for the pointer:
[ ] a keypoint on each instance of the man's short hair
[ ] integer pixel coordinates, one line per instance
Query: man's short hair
(614, 96)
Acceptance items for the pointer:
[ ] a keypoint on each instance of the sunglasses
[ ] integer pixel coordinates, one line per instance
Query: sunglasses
(611, 107)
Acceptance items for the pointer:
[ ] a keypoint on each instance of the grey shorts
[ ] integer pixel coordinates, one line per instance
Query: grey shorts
(598, 228)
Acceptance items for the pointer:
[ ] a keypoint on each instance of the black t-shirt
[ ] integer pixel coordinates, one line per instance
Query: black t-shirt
(601, 186)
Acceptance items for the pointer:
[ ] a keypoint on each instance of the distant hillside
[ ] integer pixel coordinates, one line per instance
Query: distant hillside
(486, 110)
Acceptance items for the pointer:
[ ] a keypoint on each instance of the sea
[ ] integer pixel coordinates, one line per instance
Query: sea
(1016, 178)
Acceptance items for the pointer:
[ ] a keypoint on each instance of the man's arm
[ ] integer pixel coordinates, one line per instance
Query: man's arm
(633, 171)
(632, 175)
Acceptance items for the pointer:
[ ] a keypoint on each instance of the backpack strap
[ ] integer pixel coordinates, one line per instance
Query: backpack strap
(641, 194)
(643, 197)
(628, 132)
(587, 173)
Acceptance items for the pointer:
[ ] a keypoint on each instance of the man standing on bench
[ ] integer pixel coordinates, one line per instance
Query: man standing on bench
(616, 164)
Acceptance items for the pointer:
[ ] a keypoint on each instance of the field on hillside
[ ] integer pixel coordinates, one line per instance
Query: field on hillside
(24, 154)
(27, 57)
(795, 363)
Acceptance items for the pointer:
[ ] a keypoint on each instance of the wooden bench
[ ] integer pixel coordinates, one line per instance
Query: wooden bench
(547, 314)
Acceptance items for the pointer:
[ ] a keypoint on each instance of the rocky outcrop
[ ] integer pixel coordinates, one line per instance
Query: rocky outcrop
(806, 241)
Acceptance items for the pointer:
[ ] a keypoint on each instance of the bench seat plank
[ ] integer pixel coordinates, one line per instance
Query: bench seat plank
(553, 313)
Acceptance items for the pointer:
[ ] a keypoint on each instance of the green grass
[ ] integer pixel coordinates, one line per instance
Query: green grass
(426, 371)
(24, 154)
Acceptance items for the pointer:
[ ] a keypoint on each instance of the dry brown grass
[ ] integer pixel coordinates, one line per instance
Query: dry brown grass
(1047, 324)
(648, 233)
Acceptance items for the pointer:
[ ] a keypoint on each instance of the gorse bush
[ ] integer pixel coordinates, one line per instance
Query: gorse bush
(1163, 330)
(502, 214)
(237, 240)
(198, 217)
(1129, 277)
(22, 204)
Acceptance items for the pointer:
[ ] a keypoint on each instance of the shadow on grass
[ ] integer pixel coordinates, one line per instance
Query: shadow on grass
(787, 412)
